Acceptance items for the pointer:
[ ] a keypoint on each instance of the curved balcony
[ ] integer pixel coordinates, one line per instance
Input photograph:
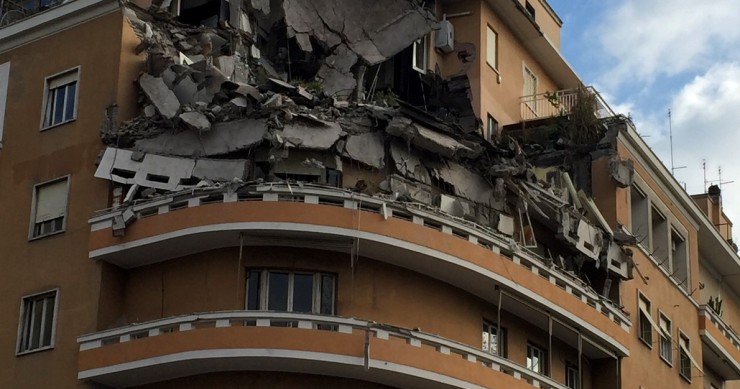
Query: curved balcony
(720, 344)
(474, 258)
(303, 343)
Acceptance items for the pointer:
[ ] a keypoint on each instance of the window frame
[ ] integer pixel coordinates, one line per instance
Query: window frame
(424, 43)
(682, 336)
(665, 339)
(572, 367)
(648, 317)
(501, 349)
(490, 31)
(492, 126)
(34, 207)
(542, 362)
(73, 72)
(4, 82)
(34, 298)
(526, 73)
(263, 300)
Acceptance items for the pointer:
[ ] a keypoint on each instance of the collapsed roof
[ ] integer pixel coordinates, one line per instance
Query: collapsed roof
(275, 91)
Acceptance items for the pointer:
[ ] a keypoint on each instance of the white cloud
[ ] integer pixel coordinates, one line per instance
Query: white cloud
(645, 39)
(705, 127)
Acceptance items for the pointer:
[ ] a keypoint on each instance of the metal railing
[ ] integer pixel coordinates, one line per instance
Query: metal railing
(724, 328)
(303, 321)
(560, 103)
(12, 11)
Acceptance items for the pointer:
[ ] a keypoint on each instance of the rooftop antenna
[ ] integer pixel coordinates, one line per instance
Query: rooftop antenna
(670, 132)
(719, 171)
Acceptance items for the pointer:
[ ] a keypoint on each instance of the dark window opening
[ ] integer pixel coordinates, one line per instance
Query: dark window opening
(203, 12)
(530, 9)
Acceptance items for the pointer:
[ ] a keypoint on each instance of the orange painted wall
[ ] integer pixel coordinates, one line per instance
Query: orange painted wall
(31, 156)
(502, 100)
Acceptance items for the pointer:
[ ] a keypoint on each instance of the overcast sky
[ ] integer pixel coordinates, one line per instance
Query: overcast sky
(649, 56)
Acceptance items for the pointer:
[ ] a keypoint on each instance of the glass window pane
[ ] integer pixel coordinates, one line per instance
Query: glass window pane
(277, 291)
(48, 321)
(253, 290)
(58, 105)
(327, 294)
(70, 103)
(303, 293)
(36, 326)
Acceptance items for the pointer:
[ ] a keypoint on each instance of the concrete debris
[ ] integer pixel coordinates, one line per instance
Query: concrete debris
(166, 173)
(163, 99)
(225, 98)
(622, 171)
(426, 138)
(196, 121)
(224, 138)
(312, 134)
(367, 148)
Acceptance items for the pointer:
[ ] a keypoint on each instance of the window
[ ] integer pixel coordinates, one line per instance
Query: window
(684, 357)
(679, 260)
(492, 128)
(572, 378)
(4, 79)
(420, 55)
(277, 290)
(645, 321)
(530, 89)
(659, 239)
(666, 341)
(60, 99)
(492, 342)
(49, 212)
(492, 48)
(37, 321)
(639, 215)
(536, 357)
(529, 8)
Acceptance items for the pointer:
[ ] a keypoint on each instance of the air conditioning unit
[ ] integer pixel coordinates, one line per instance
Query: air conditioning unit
(445, 39)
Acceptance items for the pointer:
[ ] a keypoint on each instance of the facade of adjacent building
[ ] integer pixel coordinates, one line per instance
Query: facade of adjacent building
(340, 194)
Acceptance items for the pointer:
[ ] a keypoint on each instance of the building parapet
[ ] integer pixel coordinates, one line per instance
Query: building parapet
(116, 218)
(377, 332)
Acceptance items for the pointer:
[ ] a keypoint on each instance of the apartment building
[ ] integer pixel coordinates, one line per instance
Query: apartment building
(336, 193)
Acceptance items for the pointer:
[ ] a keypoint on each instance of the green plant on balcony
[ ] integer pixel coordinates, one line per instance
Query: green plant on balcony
(716, 305)
(583, 125)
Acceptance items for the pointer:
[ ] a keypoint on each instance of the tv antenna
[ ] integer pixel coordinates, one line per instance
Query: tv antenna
(719, 173)
(670, 132)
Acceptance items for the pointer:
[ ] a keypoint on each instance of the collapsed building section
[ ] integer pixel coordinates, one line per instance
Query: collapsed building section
(239, 93)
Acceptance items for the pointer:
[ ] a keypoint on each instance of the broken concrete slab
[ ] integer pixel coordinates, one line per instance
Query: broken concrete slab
(373, 30)
(408, 163)
(223, 138)
(466, 182)
(196, 121)
(310, 135)
(166, 173)
(408, 190)
(622, 171)
(159, 95)
(426, 138)
(368, 149)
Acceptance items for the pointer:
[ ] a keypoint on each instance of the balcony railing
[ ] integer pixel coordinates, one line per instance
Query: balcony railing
(725, 329)
(378, 332)
(560, 103)
(12, 11)
(423, 215)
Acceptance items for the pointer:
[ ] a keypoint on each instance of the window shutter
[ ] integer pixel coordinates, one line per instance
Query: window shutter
(51, 201)
(63, 79)
(644, 310)
(684, 347)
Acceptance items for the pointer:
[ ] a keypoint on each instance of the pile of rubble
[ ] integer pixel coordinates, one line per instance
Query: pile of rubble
(216, 110)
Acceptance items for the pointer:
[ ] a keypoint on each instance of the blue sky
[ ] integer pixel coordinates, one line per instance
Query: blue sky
(649, 56)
